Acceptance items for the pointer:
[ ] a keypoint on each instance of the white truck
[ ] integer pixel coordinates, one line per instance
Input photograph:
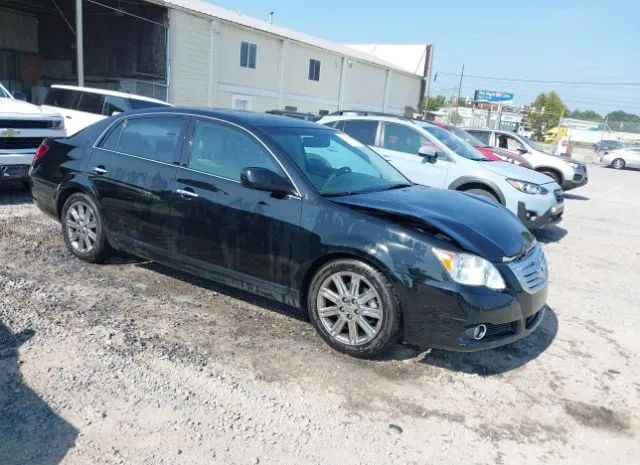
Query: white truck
(23, 126)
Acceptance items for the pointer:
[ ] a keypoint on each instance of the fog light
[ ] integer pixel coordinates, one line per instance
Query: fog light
(477, 332)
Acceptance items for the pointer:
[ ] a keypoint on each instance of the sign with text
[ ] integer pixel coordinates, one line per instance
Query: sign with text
(492, 96)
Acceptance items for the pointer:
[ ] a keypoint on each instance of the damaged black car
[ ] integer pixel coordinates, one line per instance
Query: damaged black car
(302, 214)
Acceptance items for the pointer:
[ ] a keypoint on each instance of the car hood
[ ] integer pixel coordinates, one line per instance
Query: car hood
(508, 153)
(479, 225)
(511, 171)
(17, 108)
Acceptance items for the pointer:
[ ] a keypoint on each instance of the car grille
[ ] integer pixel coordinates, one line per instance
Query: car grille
(531, 271)
(20, 143)
(25, 124)
(559, 195)
(501, 330)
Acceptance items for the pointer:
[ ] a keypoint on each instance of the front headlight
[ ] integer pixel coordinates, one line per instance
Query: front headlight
(57, 124)
(528, 187)
(572, 164)
(470, 269)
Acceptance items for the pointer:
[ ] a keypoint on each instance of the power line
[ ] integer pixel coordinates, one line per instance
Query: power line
(542, 81)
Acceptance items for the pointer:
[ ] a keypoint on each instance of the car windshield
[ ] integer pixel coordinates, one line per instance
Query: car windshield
(454, 143)
(468, 138)
(335, 163)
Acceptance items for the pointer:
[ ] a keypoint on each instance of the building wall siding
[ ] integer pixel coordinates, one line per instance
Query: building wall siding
(189, 55)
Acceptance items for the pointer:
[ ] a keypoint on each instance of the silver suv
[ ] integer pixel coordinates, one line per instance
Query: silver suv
(566, 172)
(432, 156)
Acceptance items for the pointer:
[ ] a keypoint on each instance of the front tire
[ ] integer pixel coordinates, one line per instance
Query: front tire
(483, 193)
(618, 164)
(83, 229)
(354, 308)
(553, 175)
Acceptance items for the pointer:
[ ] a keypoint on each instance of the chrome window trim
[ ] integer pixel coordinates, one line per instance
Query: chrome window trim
(100, 138)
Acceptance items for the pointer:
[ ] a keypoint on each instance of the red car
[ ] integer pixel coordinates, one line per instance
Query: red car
(492, 153)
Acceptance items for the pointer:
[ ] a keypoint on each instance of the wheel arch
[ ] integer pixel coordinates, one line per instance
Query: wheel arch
(557, 171)
(467, 182)
(71, 186)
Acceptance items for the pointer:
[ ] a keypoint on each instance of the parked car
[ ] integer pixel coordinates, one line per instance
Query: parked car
(83, 106)
(608, 146)
(23, 126)
(492, 153)
(302, 214)
(570, 174)
(295, 114)
(432, 156)
(624, 158)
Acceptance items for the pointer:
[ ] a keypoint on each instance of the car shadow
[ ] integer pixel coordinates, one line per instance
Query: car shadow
(489, 362)
(14, 194)
(228, 291)
(30, 431)
(551, 234)
(575, 197)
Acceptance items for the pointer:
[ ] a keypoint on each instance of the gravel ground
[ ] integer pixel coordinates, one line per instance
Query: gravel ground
(131, 362)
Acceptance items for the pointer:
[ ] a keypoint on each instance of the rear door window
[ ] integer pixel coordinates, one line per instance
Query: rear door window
(62, 98)
(156, 138)
(362, 130)
(483, 136)
(90, 102)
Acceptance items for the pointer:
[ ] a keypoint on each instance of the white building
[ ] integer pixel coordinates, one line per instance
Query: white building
(194, 53)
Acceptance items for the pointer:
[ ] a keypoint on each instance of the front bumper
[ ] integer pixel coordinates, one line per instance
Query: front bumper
(15, 166)
(535, 221)
(580, 178)
(443, 315)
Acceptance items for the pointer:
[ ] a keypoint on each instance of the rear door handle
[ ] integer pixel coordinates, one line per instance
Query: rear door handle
(187, 193)
(100, 170)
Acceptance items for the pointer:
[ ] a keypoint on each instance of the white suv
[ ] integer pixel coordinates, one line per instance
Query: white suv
(23, 126)
(566, 172)
(432, 156)
(83, 106)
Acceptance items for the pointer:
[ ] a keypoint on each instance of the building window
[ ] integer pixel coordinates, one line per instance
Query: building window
(241, 102)
(248, 54)
(314, 70)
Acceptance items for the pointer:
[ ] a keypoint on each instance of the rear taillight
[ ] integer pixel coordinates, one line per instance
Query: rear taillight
(41, 152)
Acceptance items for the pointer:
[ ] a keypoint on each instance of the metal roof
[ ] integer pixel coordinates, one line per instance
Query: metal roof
(208, 9)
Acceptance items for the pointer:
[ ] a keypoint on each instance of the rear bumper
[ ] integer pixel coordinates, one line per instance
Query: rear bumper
(443, 315)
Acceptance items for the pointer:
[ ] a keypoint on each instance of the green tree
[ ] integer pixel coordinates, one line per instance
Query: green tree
(622, 121)
(587, 115)
(434, 102)
(546, 111)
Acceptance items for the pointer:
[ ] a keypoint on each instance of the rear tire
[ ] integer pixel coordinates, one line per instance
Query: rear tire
(360, 317)
(83, 229)
(618, 164)
(483, 193)
(553, 175)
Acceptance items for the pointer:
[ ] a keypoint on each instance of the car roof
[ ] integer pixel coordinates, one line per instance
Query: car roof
(246, 118)
(394, 119)
(112, 93)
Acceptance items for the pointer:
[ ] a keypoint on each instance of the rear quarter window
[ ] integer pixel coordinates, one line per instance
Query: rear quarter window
(62, 98)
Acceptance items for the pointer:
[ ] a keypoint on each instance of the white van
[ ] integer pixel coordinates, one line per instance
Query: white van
(83, 106)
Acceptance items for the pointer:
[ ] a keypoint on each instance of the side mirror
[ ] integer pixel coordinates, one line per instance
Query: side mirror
(522, 150)
(115, 112)
(262, 179)
(428, 153)
(19, 95)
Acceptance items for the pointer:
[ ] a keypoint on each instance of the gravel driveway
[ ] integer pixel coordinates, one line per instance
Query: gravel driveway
(131, 362)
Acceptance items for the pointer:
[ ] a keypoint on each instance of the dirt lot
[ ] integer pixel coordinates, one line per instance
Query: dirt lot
(133, 363)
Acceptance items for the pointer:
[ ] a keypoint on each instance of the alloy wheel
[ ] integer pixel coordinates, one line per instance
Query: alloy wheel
(81, 227)
(350, 308)
(618, 163)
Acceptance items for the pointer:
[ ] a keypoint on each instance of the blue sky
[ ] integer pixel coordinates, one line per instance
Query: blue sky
(575, 40)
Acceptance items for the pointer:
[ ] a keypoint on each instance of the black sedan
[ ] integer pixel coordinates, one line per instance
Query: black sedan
(302, 214)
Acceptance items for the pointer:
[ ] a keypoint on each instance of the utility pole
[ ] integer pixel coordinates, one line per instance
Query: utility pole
(459, 90)
(79, 43)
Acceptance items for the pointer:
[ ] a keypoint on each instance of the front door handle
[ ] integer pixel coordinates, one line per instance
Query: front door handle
(187, 193)
(100, 170)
